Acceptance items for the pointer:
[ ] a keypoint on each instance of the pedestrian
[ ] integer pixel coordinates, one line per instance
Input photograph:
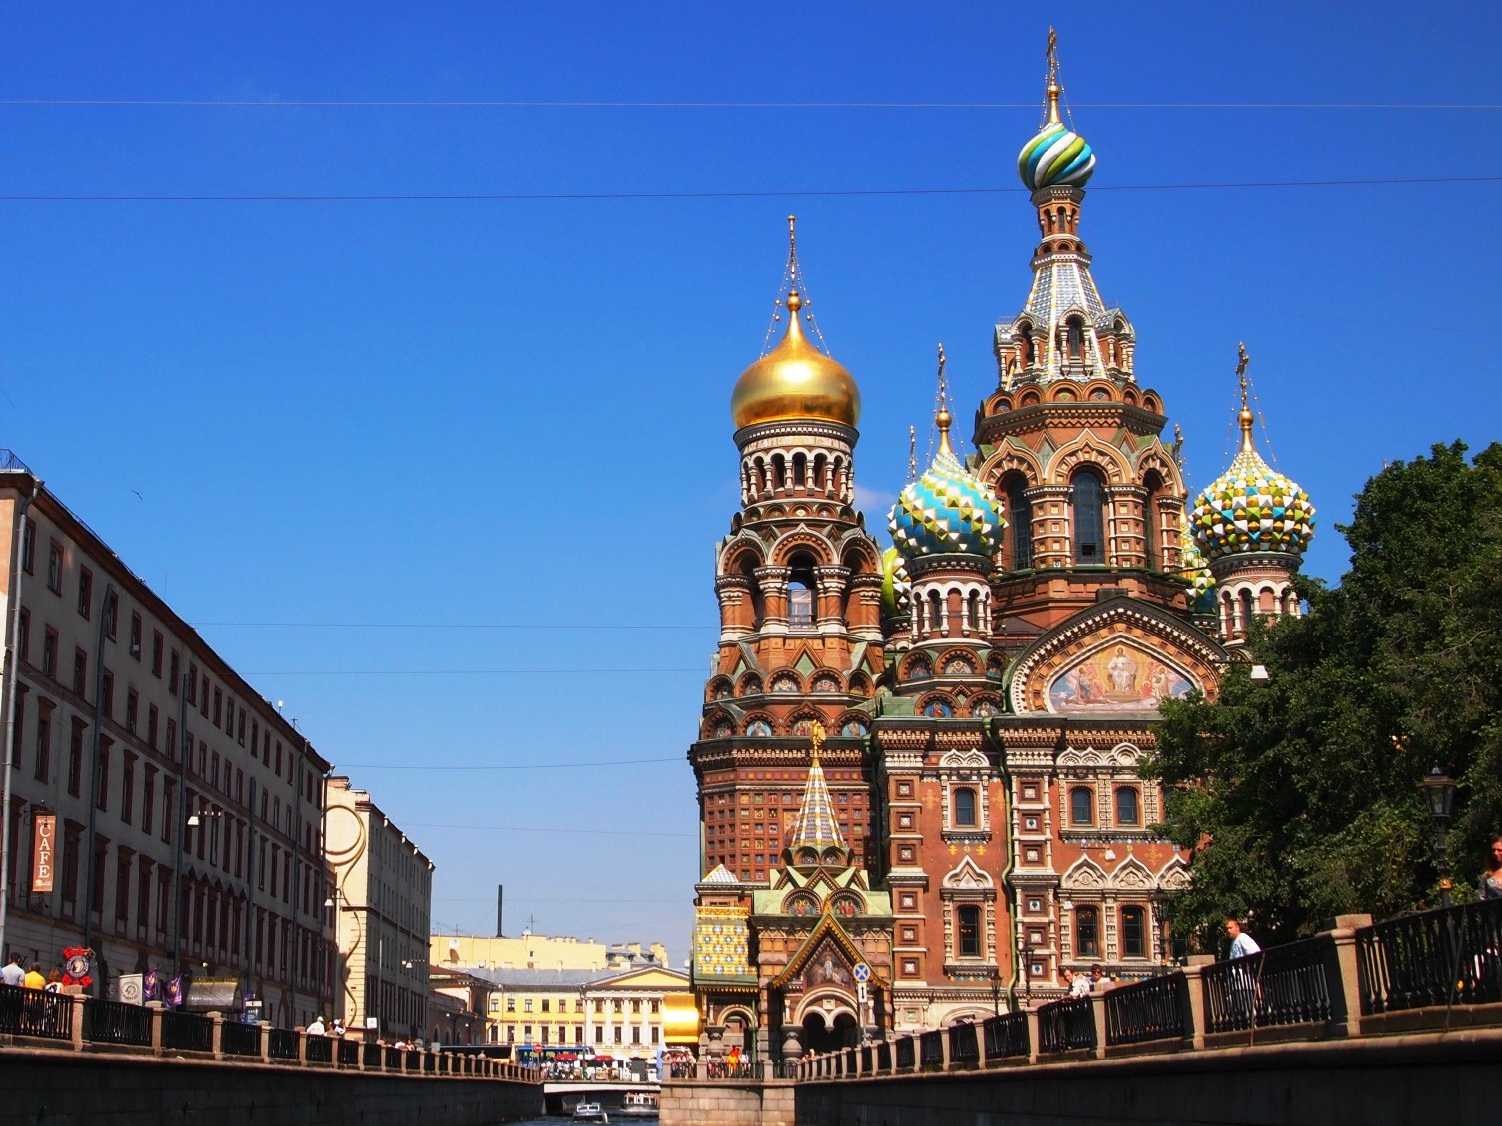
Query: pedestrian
(339, 1027)
(34, 977)
(316, 1028)
(1077, 984)
(54, 982)
(1242, 943)
(1098, 980)
(1491, 871)
(12, 973)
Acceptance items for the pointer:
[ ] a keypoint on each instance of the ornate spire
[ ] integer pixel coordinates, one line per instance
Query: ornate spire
(1052, 90)
(942, 418)
(1244, 416)
(1056, 156)
(816, 826)
(912, 453)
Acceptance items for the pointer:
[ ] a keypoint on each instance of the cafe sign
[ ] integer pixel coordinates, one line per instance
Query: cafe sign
(43, 850)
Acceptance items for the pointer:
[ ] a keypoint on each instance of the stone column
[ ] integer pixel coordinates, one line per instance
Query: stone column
(79, 1002)
(1194, 1019)
(734, 593)
(1349, 999)
(156, 1026)
(1053, 541)
(266, 1042)
(831, 583)
(1098, 1011)
(216, 1035)
(1125, 543)
(773, 582)
(865, 616)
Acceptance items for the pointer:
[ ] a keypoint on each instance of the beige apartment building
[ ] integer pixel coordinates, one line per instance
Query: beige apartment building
(383, 895)
(627, 1015)
(542, 952)
(160, 812)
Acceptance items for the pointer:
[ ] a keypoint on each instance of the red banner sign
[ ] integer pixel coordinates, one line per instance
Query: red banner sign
(43, 849)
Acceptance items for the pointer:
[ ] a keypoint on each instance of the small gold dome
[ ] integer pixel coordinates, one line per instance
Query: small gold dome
(795, 380)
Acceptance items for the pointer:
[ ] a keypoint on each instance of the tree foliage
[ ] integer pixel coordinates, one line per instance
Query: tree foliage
(1300, 795)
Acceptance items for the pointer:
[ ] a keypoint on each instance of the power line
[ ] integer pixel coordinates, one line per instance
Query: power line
(587, 104)
(478, 626)
(523, 671)
(428, 767)
(542, 829)
(588, 197)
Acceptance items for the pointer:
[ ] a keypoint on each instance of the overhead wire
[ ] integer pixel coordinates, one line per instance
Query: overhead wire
(605, 103)
(794, 193)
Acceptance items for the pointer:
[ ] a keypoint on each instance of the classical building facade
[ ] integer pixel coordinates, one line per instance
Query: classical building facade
(990, 682)
(543, 951)
(161, 812)
(382, 899)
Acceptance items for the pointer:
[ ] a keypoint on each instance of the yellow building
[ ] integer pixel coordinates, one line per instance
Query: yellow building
(628, 1015)
(541, 952)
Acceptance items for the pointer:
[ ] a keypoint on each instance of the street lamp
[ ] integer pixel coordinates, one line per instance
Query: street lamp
(1439, 789)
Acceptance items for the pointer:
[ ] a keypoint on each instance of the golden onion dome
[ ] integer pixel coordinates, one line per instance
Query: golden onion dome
(795, 380)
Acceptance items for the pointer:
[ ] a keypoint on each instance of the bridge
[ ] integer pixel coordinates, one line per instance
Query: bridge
(1399, 1021)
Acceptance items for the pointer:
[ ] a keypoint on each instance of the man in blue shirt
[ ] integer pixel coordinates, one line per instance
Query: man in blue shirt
(1242, 943)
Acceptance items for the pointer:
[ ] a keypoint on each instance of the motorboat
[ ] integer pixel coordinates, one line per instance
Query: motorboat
(640, 1104)
(590, 1112)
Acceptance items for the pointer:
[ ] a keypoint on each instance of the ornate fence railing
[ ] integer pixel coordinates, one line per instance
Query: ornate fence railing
(1156, 1008)
(884, 1056)
(964, 1049)
(1066, 1025)
(35, 1012)
(187, 1032)
(1006, 1036)
(1444, 957)
(239, 1039)
(349, 1053)
(371, 1055)
(318, 1048)
(931, 1050)
(114, 1022)
(1282, 985)
(906, 1055)
(281, 1044)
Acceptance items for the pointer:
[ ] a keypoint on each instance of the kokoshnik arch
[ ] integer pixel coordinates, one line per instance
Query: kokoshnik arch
(975, 819)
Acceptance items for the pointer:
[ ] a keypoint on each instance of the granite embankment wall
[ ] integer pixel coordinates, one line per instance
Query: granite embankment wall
(1451, 1078)
(49, 1088)
(727, 1102)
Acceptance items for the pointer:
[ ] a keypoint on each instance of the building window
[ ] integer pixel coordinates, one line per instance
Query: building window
(1153, 483)
(1089, 517)
(969, 931)
(964, 807)
(1127, 811)
(1029, 793)
(1081, 806)
(156, 653)
(135, 635)
(44, 745)
(29, 547)
(55, 567)
(1086, 932)
(85, 592)
(1020, 517)
(80, 670)
(1133, 933)
(23, 634)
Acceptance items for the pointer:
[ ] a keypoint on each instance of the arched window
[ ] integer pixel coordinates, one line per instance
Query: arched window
(1133, 933)
(800, 470)
(1244, 600)
(1086, 932)
(973, 606)
(969, 931)
(801, 592)
(1025, 345)
(1153, 483)
(779, 472)
(748, 571)
(935, 613)
(1074, 338)
(1127, 810)
(1020, 516)
(820, 465)
(1089, 517)
(964, 807)
(1081, 806)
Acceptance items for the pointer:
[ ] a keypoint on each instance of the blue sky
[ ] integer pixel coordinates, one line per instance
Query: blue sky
(514, 414)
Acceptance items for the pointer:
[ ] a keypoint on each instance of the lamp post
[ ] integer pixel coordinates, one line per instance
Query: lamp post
(1439, 789)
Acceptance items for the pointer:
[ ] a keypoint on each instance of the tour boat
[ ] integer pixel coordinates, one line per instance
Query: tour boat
(590, 1112)
(640, 1104)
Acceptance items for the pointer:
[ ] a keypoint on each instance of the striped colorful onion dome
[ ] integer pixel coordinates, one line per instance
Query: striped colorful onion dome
(896, 587)
(1055, 156)
(1251, 507)
(1194, 570)
(946, 511)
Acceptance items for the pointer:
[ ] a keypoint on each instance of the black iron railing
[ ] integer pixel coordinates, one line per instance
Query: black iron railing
(393, 1058)
(884, 1056)
(931, 1050)
(1006, 1036)
(281, 1044)
(349, 1053)
(187, 1032)
(114, 1022)
(1445, 957)
(906, 1055)
(964, 1049)
(320, 1048)
(35, 1012)
(372, 1054)
(1156, 1008)
(428, 1062)
(868, 1057)
(1297, 983)
(1066, 1025)
(239, 1039)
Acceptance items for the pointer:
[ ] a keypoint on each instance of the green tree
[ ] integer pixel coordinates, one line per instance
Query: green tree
(1300, 794)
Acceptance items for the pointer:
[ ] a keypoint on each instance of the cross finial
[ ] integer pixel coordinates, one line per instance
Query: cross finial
(942, 417)
(912, 453)
(1243, 416)
(1052, 88)
(816, 738)
(1242, 361)
(792, 240)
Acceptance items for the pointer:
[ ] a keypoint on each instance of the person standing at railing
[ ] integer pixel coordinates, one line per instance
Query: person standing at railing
(316, 1028)
(1491, 873)
(12, 973)
(1077, 984)
(35, 979)
(1245, 992)
(1242, 943)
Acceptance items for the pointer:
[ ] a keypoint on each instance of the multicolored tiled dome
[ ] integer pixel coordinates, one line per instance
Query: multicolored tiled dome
(1057, 155)
(1195, 572)
(946, 511)
(896, 586)
(1251, 507)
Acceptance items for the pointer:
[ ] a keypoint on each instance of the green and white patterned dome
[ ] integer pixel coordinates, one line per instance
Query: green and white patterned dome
(896, 586)
(946, 511)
